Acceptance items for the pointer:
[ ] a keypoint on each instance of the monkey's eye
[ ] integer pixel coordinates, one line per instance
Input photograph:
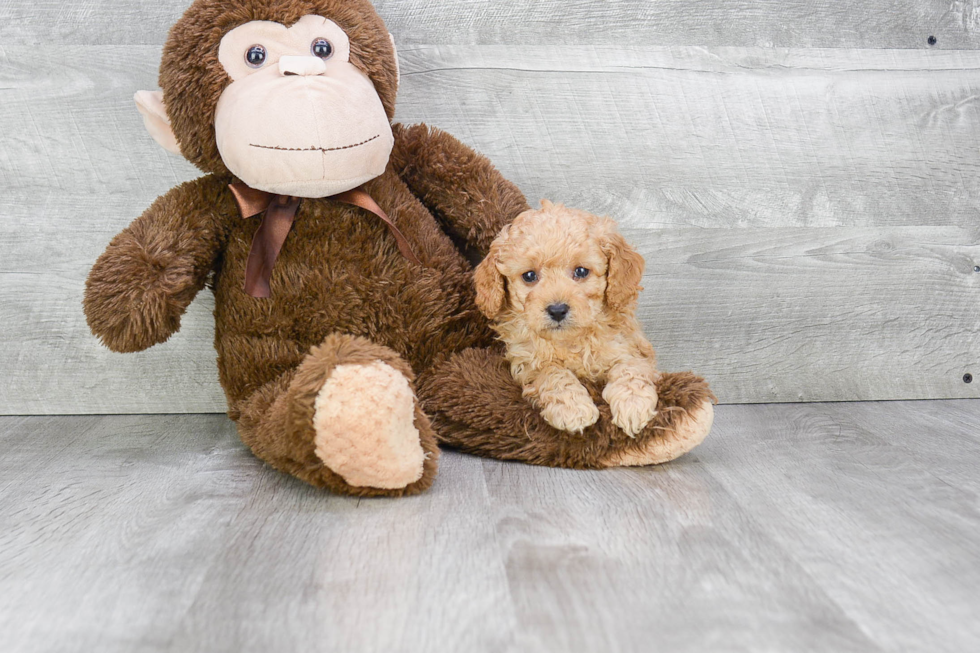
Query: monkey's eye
(255, 56)
(580, 273)
(322, 48)
(530, 276)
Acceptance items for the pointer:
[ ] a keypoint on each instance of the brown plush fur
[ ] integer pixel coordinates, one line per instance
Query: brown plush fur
(277, 420)
(140, 287)
(475, 405)
(342, 293)
(339, 272)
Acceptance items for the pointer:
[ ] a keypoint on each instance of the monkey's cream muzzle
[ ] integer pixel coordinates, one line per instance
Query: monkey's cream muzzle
(336, 138)
(337, 135)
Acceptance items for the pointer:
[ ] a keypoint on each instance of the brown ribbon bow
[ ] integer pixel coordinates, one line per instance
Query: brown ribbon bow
(280, 211)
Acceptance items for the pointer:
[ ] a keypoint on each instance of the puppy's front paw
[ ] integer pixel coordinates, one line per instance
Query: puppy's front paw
(632, 406)
(573, 414)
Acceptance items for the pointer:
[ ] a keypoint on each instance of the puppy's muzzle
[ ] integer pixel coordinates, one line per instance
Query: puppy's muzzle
(557, 312)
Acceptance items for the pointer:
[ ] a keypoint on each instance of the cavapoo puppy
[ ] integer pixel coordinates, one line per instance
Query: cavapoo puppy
(560, 286)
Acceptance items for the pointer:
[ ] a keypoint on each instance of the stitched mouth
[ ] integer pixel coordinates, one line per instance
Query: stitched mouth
(316, 149)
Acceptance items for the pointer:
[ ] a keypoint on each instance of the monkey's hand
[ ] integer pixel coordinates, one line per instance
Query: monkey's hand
(140, 287)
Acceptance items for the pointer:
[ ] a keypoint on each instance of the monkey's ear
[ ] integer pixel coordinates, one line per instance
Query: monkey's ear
(398, 68)
(150, 105)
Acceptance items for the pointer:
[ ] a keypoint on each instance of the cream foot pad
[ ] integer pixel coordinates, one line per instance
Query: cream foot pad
(688, 434)
(364, 420)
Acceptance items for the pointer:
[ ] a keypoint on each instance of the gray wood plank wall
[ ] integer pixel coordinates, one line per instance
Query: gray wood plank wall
(763, 23)
(802, 177)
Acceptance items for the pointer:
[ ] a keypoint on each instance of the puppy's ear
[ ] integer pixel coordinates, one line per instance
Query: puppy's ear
(491, 292)
(625, 268)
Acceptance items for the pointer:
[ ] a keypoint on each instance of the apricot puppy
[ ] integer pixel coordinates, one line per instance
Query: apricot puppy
(561, 286)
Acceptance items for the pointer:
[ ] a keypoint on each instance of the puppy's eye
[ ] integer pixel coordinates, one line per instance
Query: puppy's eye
(580, 273)
(255, 56)
(530, 276)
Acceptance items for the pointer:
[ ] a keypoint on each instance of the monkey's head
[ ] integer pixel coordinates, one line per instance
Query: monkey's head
(293, 97)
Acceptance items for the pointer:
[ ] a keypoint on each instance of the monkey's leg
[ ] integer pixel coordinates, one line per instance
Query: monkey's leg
(476, 406)
(345, 419)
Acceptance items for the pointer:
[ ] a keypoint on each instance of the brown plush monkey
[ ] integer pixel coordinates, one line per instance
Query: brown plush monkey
(331, 238)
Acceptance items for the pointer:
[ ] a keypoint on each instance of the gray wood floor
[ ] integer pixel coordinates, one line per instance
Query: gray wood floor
(819, 527)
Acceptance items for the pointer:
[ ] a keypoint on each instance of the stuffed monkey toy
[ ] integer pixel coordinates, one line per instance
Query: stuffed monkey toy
(338, 248)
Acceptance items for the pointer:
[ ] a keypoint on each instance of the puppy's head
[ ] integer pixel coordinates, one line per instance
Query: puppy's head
(557, 270)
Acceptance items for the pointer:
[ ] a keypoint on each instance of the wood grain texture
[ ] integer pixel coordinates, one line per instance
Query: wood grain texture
(808, 216)
(364, 575)
(666, 136)
(137, 533)
(718, 137)
(790, 23)
(108, 528)
(819, 527)
(797, 314)
(690, 570)
(867, 501)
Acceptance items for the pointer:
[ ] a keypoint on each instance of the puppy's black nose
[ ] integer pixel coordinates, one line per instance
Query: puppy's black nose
(557, 311)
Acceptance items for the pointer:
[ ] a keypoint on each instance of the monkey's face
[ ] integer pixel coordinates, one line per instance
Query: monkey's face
(298, 118)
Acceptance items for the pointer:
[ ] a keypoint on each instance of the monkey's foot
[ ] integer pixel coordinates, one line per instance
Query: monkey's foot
(688, 433)
(364, 427)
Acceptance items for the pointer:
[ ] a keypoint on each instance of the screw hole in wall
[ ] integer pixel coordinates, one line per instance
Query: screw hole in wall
(931, 40)
(967, 378)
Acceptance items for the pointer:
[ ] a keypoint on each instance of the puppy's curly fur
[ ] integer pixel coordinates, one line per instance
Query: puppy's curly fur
(561, 286)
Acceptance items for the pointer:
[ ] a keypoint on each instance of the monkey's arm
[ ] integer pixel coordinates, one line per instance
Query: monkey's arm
(140, 287)
(463, 189)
